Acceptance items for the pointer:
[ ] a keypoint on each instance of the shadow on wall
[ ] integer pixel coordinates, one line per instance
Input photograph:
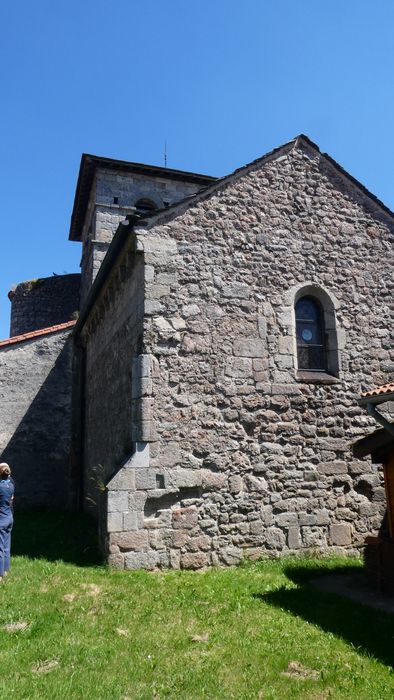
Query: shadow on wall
(69, 537)
(368, 630)
(39, 449)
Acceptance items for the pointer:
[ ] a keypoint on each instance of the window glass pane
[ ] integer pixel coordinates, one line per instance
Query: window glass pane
(309, 332)
(307, 310)
(311, 351)
(312, 358)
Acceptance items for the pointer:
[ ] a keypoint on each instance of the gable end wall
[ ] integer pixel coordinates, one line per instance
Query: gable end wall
(246, 459)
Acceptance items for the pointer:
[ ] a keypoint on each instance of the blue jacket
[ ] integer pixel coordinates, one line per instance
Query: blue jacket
(6, 493)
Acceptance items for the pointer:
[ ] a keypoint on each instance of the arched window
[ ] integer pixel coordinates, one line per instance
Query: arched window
(311, 337)
(145, 206)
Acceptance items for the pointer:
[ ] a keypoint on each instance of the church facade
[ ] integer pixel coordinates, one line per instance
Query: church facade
(225, 330)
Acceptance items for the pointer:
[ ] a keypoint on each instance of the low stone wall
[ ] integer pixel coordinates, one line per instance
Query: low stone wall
(35, 406)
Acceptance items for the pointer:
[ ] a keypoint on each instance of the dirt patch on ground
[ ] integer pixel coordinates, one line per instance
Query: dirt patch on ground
(45, 666)
(357, 588)
(16, 626)
(300, 672)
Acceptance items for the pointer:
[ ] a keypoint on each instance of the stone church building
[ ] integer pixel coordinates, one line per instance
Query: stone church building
(196, 388)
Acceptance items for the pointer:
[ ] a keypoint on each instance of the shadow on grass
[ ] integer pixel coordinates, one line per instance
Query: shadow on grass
(69, 537)
(368, 630)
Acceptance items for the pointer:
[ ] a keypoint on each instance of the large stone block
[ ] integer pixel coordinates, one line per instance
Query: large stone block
(124, 480)
(248, 347)
(293, 538)
(142, 560)
(332, 468)
(117, 501)
(136, 540)
(341, 535)
(230, 555)
(194, 560)
(185, 478)
(185, 518)
(115, 522)
(213, 481)
(275, 538)
(256, 483)
(239, 368)
(236, 290)
(145, 479)
(130, 520)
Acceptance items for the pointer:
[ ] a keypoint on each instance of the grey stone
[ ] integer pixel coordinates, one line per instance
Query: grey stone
(238, 290)
(341, 534)
(275, 538)
(248, 347)
(115, 522)
(136, 541)
(185, 518)
(332, 468)
(117, 501)
(196, 560)
(293, 538)
(230, 555)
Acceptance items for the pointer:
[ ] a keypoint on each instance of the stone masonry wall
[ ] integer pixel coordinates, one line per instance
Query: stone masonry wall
(113, 340)
(35, 390)
(113, 196)
(44, 302)
(246, 456)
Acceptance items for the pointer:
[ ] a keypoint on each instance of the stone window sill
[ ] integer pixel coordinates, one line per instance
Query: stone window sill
(307, 377)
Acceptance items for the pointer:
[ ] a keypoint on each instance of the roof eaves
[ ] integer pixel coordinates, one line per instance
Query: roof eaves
(36, 334)
(87, 170)
(377, 395)
(115, 248)
(378, 202)
(204, 192)
(375, 444)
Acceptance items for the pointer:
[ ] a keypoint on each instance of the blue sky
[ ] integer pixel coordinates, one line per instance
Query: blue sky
(222, 81)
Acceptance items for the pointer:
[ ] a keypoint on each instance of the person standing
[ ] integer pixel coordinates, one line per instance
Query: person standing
(6, 517)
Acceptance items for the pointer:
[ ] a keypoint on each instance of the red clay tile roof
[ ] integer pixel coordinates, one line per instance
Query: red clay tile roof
(35, 334)
(379, 391)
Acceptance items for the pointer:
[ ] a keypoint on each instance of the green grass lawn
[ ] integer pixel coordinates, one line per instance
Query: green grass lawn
(71, 628)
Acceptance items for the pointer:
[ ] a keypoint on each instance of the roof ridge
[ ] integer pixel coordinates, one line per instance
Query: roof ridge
(290, 145)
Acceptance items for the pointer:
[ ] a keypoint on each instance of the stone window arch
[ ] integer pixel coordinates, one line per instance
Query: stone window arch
(310, 307)
(327, 353)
